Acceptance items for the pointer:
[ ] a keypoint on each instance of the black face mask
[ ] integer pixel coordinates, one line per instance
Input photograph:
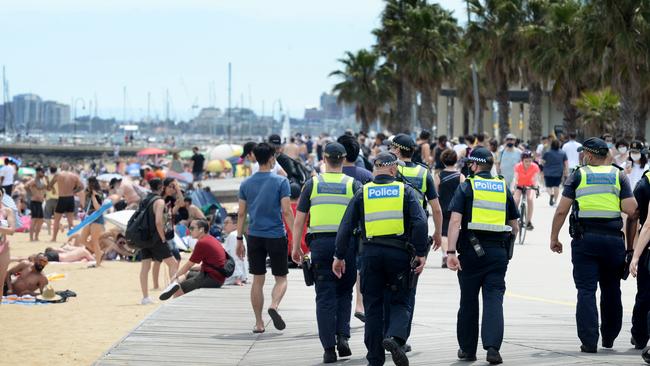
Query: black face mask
(510, 144)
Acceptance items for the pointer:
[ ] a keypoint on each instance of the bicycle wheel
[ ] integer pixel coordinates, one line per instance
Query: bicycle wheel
(522, 224)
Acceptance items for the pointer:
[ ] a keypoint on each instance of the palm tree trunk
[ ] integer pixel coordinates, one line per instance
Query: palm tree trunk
(641, 116)
(404, 107)
(570, 115)
(365, 124)
(626, 121)
(466, 120)
(535, 119)
(504, 108)
(426, 109)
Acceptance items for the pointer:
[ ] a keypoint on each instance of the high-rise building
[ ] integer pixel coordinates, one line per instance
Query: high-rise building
(54, 114)
(27, 112)
(331, 109)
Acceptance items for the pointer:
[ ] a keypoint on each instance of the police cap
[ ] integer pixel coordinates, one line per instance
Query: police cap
(595, 146)
(334, 150)
(638, 146)
(403, 142)
(387, 159)
(481, 155)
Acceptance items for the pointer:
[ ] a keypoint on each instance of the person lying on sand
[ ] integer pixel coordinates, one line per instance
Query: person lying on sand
(28, 276)
(68, 254)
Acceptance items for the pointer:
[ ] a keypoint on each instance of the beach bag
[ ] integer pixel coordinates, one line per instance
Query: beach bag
(228, 268)
(138, 233)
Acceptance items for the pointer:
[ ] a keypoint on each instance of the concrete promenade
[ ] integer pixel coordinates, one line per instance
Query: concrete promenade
(213, 327)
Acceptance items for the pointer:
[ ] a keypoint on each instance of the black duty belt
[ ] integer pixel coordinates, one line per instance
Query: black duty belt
(388, 242)
(591, 229)
(314, 236)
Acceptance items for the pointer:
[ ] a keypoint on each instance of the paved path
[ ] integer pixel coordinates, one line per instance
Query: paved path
(212, 327)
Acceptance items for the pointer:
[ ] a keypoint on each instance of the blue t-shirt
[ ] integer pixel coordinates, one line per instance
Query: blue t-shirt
(360, 174)
(263, 192)
(554, 163)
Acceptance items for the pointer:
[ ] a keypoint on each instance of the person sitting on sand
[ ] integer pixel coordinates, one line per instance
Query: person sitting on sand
(68, 254)
(209, 253)
(29, 276)
(187, 212)
(113, 243)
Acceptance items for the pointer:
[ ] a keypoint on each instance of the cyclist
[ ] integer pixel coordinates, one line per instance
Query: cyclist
(525, 177)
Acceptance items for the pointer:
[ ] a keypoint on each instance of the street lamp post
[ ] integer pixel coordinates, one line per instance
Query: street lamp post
(478, 123)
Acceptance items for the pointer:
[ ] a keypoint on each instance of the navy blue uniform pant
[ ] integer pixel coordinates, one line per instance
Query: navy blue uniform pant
(640, 326)
(381, 270)
(333, 295)
(487, 275)
(598, 259)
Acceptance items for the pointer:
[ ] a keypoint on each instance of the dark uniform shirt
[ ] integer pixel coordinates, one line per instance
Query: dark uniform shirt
(415, 220)
(572, 183)
(642, 196)
(461, 202)
(305, 202)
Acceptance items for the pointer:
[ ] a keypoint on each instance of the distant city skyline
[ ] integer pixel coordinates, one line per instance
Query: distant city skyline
(279, 50)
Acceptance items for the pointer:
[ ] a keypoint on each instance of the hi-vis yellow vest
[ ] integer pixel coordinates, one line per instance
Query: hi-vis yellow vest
(383, 206)
(417, 176)
(598, 192)
(330, 195)
(488, 205)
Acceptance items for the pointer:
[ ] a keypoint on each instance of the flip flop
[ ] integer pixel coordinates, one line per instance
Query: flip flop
(278, 323)
(361, 316)
(257, 331)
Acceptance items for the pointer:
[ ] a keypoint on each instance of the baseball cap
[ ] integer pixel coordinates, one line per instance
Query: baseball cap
(403, 141)
(387, 159)
(511, 137)
(481, 155)
(334, 150)
(248, 148)
(637, 145)
(594, 145)
(275, 140)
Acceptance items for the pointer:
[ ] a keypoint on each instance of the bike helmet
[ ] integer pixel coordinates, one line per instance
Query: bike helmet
(526, 155)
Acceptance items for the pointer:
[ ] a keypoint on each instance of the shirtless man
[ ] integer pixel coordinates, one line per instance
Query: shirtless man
(125, 189)
(291, 149)
(37, 187)
(68, 185)
(187, 212)
(68, 254)
(29, 276)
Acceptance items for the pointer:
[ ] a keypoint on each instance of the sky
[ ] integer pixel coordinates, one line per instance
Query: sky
(281, 51)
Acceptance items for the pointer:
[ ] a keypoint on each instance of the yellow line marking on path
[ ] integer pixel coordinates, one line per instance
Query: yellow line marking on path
(540, 299)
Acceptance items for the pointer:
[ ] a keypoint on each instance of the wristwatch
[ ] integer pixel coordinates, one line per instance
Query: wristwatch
(451, 252)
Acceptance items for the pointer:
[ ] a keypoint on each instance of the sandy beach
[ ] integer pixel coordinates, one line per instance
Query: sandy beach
(79, 331)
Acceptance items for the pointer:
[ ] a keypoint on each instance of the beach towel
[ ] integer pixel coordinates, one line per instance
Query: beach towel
(20, 300)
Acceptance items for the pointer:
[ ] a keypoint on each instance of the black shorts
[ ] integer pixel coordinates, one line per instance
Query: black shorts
(65, 205)
(552, 181)
(445, 224)
(198, 279)
(52, 256)
(36, 209)
(275, 248)
(159, 252)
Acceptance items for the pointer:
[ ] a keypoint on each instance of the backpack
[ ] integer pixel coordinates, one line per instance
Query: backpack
(138, 231)
(302, 173)
(228, 268)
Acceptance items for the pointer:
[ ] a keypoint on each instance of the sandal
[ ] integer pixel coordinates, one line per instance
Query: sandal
(258, 331)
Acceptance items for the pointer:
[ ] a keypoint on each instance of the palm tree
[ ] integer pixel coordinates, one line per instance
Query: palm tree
(365, 84)
(619, 42)
(463, 84)
(423, 46)
(600, 110)
(391, 23)
(556, 58)
(493, 40)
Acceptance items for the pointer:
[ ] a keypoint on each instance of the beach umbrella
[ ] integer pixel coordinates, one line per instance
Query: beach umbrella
(26, 171)
(184, 177)
(108, 177)
(225, 151)
(152, 151)
(119, 218)
(186, 154)
(215, 166)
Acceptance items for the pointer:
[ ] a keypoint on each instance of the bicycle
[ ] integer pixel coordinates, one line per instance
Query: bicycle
(523, 210)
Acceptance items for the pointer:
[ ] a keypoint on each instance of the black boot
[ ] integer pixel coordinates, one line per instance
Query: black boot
(646, 355)
(464, 356)
(493, 356)
(395, 348)
(329, 356)
(636, 344)
(343, 346)
(588, 349)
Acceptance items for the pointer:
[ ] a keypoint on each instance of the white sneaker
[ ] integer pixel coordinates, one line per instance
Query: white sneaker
(147, 301)
(169, 291)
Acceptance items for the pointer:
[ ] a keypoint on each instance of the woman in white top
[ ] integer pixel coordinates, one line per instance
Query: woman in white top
(620, 154)
(637, 163)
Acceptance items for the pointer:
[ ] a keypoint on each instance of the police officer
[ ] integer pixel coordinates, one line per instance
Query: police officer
(325, 198)
(393, 231)
(484, 210)
(597, 192)
(418, 176)
(640, 328)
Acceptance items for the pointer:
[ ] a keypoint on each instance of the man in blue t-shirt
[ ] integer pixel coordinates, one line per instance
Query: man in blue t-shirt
(265, 196)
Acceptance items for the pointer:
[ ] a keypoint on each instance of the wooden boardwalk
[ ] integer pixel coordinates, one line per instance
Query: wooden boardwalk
(213, 327)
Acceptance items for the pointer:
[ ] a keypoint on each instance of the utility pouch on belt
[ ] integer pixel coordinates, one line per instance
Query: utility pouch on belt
(307, 271)
(511, 245)
(413, 276)
(626, 265)
(575, 228)
(478, 248)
